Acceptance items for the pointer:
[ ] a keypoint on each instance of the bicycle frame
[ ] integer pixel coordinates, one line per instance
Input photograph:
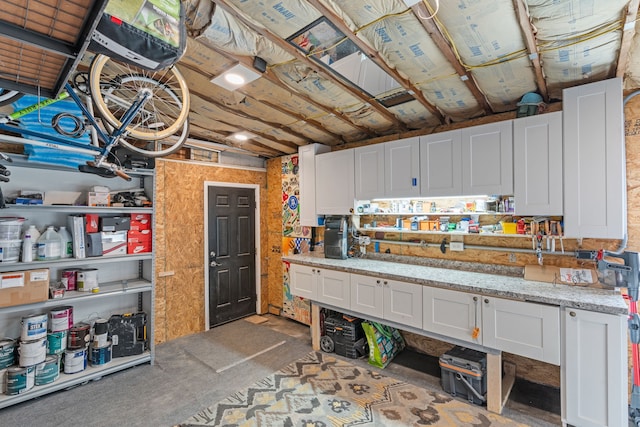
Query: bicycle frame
(108, 139)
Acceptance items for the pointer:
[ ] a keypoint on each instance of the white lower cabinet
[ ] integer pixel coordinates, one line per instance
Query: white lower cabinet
(527, 329)
(320, 284)
(451, 313)
(387, 299)
(594, 377)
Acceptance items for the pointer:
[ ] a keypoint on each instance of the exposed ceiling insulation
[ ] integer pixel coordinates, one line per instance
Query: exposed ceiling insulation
(348, 72)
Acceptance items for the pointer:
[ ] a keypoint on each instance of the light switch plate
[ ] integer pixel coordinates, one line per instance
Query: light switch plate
(456, 246)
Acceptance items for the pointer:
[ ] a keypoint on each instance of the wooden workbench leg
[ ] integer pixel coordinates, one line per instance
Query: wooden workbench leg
(494, 382)
(499, 387)
(315, 327)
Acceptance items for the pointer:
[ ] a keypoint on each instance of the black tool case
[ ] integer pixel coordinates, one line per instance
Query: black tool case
(347, 336)
(463, 369)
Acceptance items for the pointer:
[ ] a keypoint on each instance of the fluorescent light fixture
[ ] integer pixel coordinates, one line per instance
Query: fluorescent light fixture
(235, 77)
(242, 136)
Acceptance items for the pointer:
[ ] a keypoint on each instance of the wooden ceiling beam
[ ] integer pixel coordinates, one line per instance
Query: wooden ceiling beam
(532, 47)
(628, 31)
(374, 55)
(419, 9)
(317, 68)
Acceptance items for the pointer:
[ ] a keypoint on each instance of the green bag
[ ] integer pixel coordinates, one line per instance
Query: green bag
(384, 343)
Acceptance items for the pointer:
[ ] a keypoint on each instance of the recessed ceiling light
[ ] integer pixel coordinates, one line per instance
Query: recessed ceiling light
(235, 77)
(242, 136)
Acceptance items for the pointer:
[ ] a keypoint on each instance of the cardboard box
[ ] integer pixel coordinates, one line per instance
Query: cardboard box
(24, 287)
(114, 243)
(140, 222)
(91, 223)
(98, 199)
(114, 223)
(139, 241)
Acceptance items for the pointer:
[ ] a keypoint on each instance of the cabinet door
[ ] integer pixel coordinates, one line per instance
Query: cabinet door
(487, 159)
(594, 385)
(402, 302)
(366, 295)
(527, 329)
(451, 313)
(335, 183)
(334, 288)
(537, 161)
(441, 164)
(307, 167)
(594, 161)
(304, 281)
(369, 172)
(402, 168)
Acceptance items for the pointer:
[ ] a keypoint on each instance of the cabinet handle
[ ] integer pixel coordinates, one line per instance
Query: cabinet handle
(572, 313)
(385, 283)
(414, 182)
(378, 281)
(313, 270)
(486, 300)
(475, 299)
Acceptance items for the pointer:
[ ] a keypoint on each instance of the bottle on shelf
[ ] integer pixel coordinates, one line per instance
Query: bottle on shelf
(49, 245)
(27, 248)
(67, 245)
(35, 235)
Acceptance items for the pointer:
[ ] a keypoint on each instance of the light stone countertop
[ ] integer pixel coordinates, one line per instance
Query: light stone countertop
(600, 300)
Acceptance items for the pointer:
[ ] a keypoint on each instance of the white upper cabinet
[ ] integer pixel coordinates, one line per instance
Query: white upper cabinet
(402, 168)
(487, 159)
(335, 189)
(537, 164)
(369, 171)
(594, 160)
(307, 165)
(391, 169)
(441, 164)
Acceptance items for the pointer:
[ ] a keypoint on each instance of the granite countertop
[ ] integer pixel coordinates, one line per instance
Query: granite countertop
(501, 285)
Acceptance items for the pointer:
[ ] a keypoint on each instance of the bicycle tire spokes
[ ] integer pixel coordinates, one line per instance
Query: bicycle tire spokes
(119, 84)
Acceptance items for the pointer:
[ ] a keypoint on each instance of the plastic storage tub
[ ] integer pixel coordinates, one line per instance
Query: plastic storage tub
(10, 228)
(463, 369)
(10, 250)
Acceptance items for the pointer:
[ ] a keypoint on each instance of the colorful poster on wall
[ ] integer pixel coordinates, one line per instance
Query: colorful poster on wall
(295, 238)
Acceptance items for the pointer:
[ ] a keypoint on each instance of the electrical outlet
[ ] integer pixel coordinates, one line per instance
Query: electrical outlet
(456, 246)
(364, 240)
(512, 257)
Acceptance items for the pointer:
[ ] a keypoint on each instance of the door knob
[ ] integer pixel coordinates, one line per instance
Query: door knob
(214, 264)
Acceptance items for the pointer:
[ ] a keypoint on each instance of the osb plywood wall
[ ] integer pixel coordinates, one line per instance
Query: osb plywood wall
(179, 244)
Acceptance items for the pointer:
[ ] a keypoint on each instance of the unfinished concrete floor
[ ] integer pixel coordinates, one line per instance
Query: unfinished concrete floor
(193, 372)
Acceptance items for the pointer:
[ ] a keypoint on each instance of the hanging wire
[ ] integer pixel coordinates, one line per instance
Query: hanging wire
(433, 13)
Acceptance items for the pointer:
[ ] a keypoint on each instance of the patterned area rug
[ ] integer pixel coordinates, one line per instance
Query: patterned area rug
(322, 391)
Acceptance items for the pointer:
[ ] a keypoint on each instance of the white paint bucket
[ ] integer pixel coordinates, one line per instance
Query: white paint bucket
(60, 318)
(20, 380)
(31, 353)
(34, 327)
(48, 371)
(75, 360)
(7, 353)
(87, 279)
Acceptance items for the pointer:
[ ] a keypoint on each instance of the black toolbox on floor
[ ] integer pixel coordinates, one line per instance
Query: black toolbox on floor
(347, 336)
(463, 369)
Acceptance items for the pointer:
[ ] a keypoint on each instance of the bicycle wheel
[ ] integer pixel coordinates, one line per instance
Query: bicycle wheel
(155, 148)
(8, 96)
(115, 86)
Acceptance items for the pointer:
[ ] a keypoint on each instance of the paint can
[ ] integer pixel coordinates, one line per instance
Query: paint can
(100, 333)
(7, 352)
(56, 342)
(34, 327)
(20, 380)
(48, 371)
(70, 275)
(3, 380)
(87, 279)
(75, 360)
(79, 336)
(60, 318)
(101, 355)
(31, 353)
